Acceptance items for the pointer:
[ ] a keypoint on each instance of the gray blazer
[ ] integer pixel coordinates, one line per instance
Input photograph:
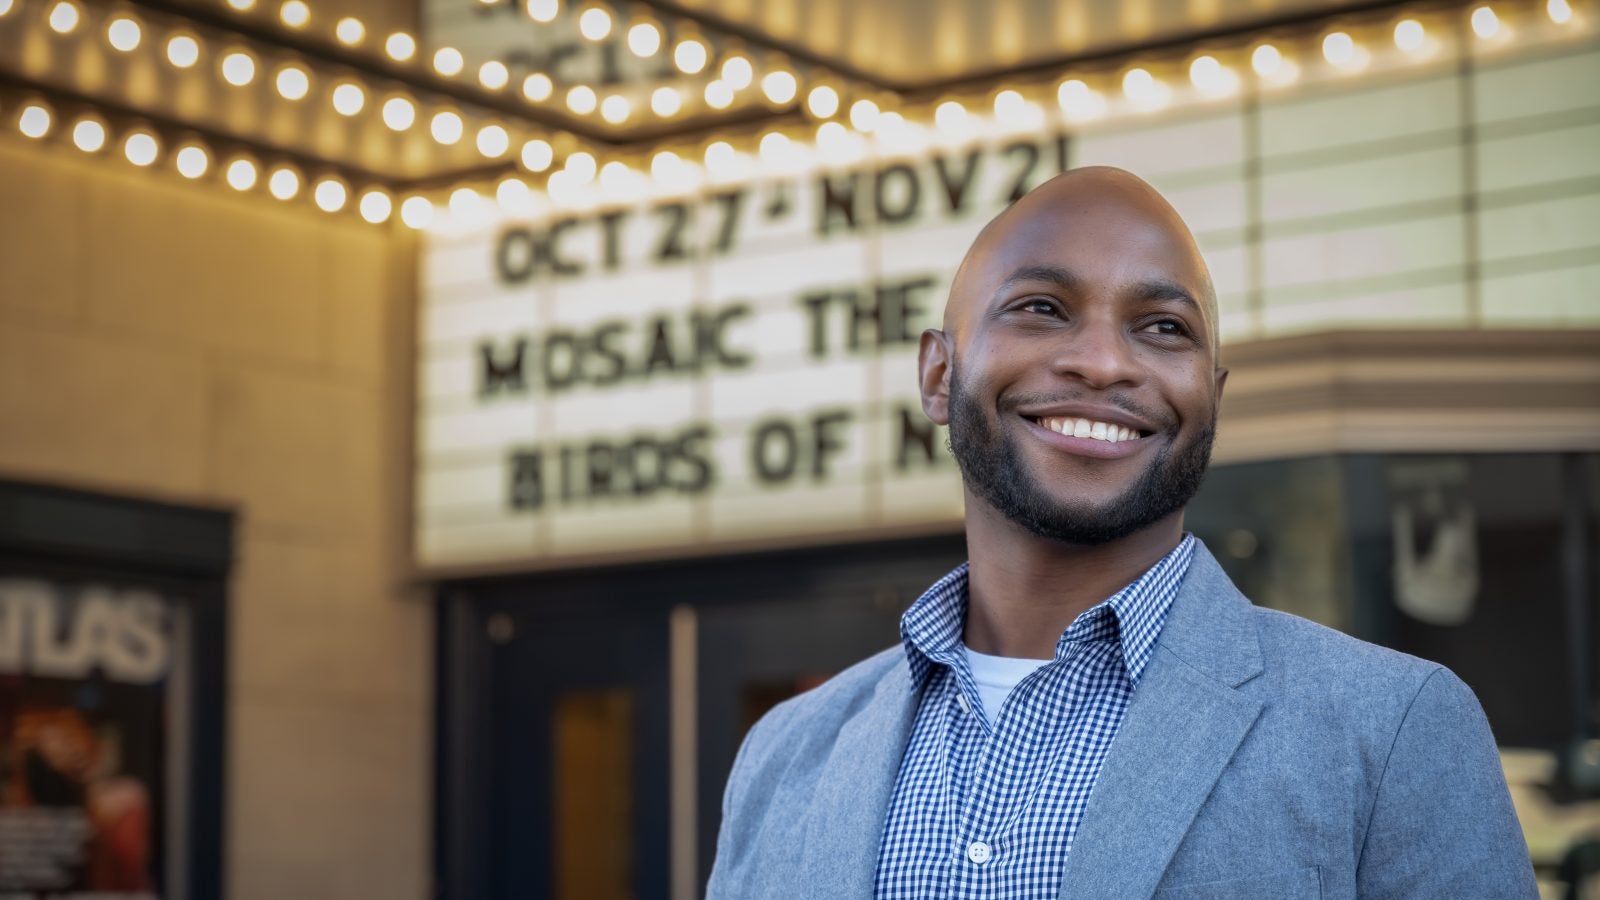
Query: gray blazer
(1262, 755)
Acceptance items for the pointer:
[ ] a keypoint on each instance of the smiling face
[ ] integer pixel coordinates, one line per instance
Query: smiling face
(1077, 367)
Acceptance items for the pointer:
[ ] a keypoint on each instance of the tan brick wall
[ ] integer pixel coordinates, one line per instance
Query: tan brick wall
(176, 341)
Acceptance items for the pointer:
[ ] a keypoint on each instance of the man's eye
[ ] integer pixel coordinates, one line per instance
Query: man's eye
(1169, 327)
(1038, 306)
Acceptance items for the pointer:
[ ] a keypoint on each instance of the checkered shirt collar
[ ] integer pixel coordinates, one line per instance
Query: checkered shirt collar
(932, 628)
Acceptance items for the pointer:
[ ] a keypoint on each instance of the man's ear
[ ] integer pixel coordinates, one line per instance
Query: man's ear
(934, 357)
(1222, 379)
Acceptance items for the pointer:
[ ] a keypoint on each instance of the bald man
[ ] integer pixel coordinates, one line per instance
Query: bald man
(1088, 708)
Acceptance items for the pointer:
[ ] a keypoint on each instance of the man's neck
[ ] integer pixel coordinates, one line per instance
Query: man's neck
(1024, 590)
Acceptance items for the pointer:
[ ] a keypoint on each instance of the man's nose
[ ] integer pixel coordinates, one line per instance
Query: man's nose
(1098, 353)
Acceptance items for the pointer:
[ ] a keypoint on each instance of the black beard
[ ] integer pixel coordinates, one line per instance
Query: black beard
(993, 469)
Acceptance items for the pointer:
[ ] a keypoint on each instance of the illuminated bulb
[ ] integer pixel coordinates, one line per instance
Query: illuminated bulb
(774, 147)
(1485, 23)
(183, 51)
(140, 149)
(562, 190)
(348, 99)
(238, 69)
(193, 162)
(89, 135)
(400, 46)
(64, 17)
(241, 174)
(594, 23)
(283, 184)
(719, 94)
(950, 116)
(665, 101)
(34, 121)
(5, 7)
(690, 56)
(644, 39)
(779, 86)
(1559, 11)
(720, 155)
(1079, 101)
(665, 165)
(330, 195)
(1009, 107)
(823, 101)
(617, 181)
(838, 144)
(293, 83)
(242, 5)
(493, 141)
(1266, 60)
(513, 195)
(538, 87)
(376, 206)
(446, 128)
(416, 212)
(581, 99)
(1409, 36)
(448, 61)
(615, 109)
(1339, 49)
(399, 113)
(295, 14)
(537, 155)
(1212, 77)
(465, 204)
(543, 11)
(349, 31)
(737, 72)
(580, 166)
(123, 34)
(494, 75)
(863, 115)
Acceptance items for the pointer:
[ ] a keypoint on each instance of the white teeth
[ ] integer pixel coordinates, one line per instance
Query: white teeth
(1088, 428)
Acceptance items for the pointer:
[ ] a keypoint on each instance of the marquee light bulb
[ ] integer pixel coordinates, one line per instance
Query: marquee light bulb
(123, 34)
(400, 46)
(774, 147)
(1485, 24)
(64, 17)
(537, 155)
(1079, 101)
(465, 204)
(644, 40)
(350, 31)
(779, 86)
(1211, 77)
(416, 212)
(89, 135)
(737, 72)
(349, 99)
(192, 162)
(615, 109)
(719, 94)
(580, 166)
(238, 68)
(295, 14)
(141, 148)
(664, 165)
(1409, 35)
(447, 61)
(494, 75)
(864, 115)
(34, 121)
(950, 116)
(284, 183)
(1266, 60)
(446, 128)
(376, 206)
(241, 174)
(594, 23)
(1339, 49)
(839, 144)
(330, 195)
(690, 56)
(5, 7)
(513, 195)
(538, 87)
(665, 102)
(293, 83)
(1559, 11)
(823, 102)
(1010, 107)
(493, 141)
(720, 155)
(183, 51)
(582, 100)
(543, 11)
(399, 113)
(242, 5)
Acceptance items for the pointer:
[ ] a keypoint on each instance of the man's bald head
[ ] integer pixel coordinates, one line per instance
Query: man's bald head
(1088, 204)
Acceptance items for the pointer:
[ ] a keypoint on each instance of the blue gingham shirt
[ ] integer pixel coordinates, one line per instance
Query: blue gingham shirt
(980, 812)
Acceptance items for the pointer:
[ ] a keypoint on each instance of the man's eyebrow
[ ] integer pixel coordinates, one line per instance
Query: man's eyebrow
(1065, 279)
(1158, 291)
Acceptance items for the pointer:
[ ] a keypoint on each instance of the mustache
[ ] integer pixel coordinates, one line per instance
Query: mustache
(1013, 402)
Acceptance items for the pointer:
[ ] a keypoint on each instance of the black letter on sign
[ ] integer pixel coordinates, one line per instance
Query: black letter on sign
(517, 255)
(611, 224)
(552, 250)
(916, 435)
(1030, 155)
(671, 246)
(838, 203)
(527, 479)
(955, 187)
(826, 439)
(693, 453)
(731, 202)
(909, 200)
(777, 435)
(563, 360)
(711, 337)
(496, 374)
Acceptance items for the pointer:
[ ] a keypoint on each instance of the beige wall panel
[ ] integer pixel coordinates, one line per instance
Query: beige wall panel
(362, 283)
(40, 235)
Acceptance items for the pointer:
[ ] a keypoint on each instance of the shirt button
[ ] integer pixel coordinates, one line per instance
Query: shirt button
(978, 852)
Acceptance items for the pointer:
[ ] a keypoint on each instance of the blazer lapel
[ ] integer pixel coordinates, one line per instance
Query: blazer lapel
(846, 815)
(1184, 724)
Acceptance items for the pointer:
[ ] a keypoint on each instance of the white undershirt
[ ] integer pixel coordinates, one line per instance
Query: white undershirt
(996, 677)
